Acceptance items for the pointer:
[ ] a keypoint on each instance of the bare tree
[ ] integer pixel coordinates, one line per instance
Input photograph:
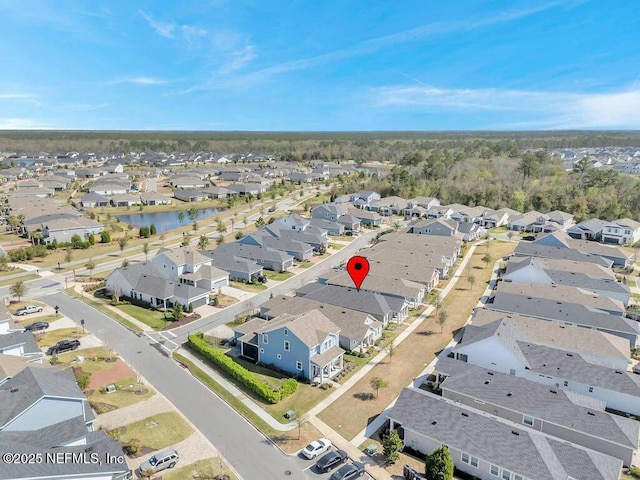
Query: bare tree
(442, 319)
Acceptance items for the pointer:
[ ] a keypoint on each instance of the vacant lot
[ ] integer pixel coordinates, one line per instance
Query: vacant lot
(127, 393)
(356, 408)
(208, 468)
(46, 339)
(248, 287)
(158, 431)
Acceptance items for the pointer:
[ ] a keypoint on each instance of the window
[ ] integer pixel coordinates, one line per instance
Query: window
(470, 460)
(517, 477)
(495, 471)
(286, 345)
(265, 338)
(506, 474)
(279, 356)
(566, 384)
(298, 365)
(512, 371)
(590, 389)
(528, 420)
(286, 332)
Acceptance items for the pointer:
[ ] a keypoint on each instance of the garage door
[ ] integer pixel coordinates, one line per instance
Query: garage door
(220, 283)
(610, 240)
(200, 302)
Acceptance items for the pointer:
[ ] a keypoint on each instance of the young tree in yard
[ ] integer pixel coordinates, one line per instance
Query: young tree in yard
(221, 229)
(391, 350)
(177, 311)
(68, 256)
(90, 265)
(122, 243)
(391, 447)
(471, 279)
(83, 380)
(195, 226)
(300, 421)
(219, 240)
(145, 250)
(487, 259)
(181, 217)
(442, 319)
(436, 301)
(439, 465)
(4, 262)
(377, 383)
(203, 241)
(192, 213)
(18, 289)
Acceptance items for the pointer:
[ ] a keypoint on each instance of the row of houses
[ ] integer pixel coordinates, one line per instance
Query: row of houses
(285, 334)
(540, 385)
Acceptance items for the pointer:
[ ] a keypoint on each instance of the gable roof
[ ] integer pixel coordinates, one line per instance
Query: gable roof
(380, 283)
(20, 338)
(558, 406)
(562, 293)
(30, 385)
(363, 301)
(184, 256)
(523, 451)
(530, 249)
(574, 313)
(566, 337)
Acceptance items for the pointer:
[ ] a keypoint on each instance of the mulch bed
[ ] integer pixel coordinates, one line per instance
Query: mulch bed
(140, 453)
(183, 321)
(100, 407)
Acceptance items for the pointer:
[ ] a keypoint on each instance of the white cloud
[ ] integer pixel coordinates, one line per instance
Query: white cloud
(238, 59)
(140, 80)
(22, 124)
(163, 29)
(90, 106)
(539, 109)
(26, 97)
(423, 31)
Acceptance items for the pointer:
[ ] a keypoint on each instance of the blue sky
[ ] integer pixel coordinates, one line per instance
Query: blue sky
(329, 65)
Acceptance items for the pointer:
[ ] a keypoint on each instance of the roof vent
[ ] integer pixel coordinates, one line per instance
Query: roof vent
(591, 413)
(515, 432)
(490, 373)
(554, 391)
(569, 354)
(487, 382)
(464, 414)
(509, 394)
(14, 390)
(434, 422)
(88, 449)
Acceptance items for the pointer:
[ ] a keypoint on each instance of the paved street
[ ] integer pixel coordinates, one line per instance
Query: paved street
(253, 456)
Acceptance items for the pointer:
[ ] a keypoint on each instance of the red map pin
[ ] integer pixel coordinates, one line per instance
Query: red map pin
(358, 268)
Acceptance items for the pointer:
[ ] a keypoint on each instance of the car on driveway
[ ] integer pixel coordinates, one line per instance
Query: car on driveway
(315, 448)
(347, 472)
(63, 346)
(529, 238)
(158, 462)
(27, 309)
(35, 326)
(331, 459)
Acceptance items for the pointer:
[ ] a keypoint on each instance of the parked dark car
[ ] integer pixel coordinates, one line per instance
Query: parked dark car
(63, 346)
(529, 238)
(331, 459)
(35, 326)
(262, 278)
(347, 472)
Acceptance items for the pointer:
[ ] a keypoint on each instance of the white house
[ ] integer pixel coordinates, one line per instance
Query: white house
(621, 232)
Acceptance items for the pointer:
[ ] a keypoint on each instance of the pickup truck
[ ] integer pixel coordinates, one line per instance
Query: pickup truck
(26, 310)
(63, 346)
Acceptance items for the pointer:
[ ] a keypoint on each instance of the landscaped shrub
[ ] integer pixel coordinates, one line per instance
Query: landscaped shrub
(239, 373)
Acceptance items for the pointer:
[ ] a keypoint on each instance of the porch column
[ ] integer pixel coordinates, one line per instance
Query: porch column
(341, 361)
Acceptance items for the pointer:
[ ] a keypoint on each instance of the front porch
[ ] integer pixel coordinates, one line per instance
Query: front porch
(326, 365)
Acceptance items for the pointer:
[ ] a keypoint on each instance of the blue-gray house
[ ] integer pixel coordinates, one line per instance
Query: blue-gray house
(305, 345)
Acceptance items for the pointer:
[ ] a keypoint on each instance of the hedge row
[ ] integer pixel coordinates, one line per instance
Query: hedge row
(239, 373)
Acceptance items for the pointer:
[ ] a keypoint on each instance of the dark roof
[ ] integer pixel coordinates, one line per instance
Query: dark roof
(374, 303)
(527, 249)
(523, 451)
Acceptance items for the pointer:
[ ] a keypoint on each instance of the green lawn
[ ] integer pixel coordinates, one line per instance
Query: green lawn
(278, 276)
(94, 359)
(90, 300)
(153, 318)
(46, 339)
(24, 278)
(498, 230)
(207, 468)
(305, 264)
(249, 287)
(158, 431)
(14, 306)
(225, 300)
(29, 319)
(125, 395)
(337, 246)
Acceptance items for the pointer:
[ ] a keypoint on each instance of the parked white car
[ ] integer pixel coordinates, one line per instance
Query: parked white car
(636, 368)
(317, 447)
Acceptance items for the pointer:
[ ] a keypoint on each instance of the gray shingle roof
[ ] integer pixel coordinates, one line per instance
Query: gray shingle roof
(574, 367)
(523, 451)
(563, 311)
(363, 301)
(30, 385)
(550, 405)
(16, 338)
(526, 249)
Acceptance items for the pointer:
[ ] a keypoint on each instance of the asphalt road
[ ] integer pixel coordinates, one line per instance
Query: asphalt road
(250, 453)
(253, 456)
